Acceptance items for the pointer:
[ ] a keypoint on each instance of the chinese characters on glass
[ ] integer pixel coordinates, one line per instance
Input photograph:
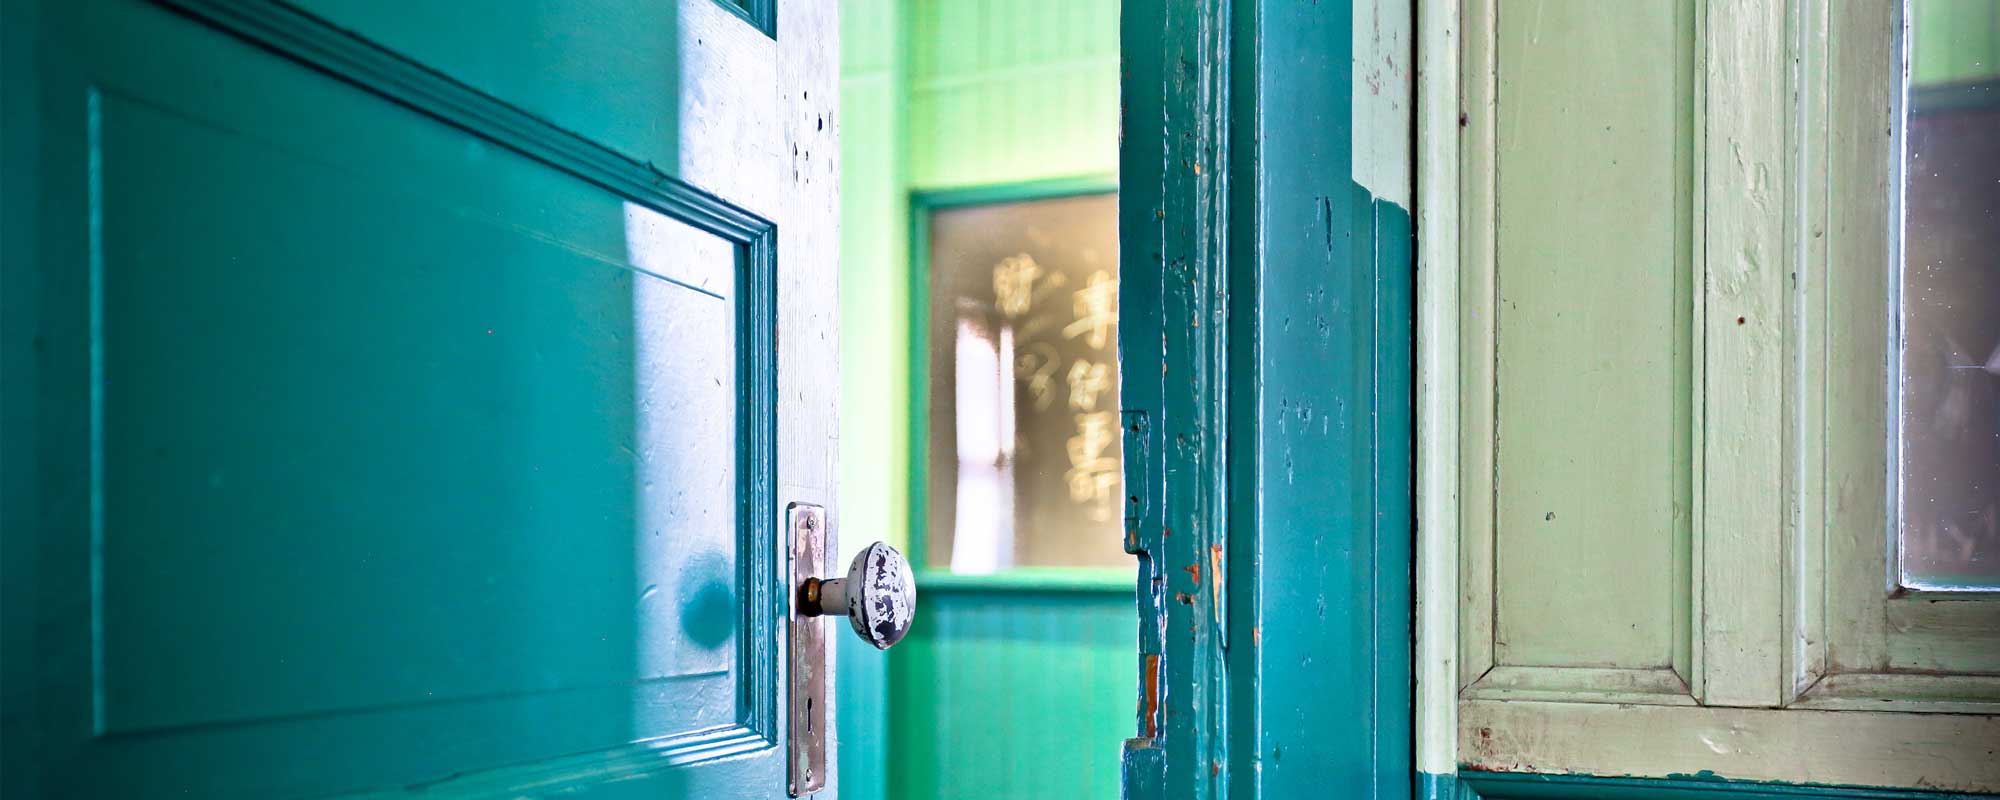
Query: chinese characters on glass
(1023, 457)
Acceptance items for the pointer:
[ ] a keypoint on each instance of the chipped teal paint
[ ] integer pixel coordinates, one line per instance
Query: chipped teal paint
(1173, 291)
(1703, 786)
(1276, 440)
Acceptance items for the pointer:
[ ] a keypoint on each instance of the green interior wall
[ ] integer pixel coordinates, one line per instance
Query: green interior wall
(874, 370)
(999, 692)
(1954, 41)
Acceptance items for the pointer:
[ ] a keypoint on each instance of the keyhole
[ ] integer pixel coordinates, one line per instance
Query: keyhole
(809, 715)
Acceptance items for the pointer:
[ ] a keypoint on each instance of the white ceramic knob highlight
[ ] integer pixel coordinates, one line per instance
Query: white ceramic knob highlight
(879, 596)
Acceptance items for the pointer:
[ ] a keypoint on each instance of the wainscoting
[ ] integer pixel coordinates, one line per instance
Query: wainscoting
(1013, 688)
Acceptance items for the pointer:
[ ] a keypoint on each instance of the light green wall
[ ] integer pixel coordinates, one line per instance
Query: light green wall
(1954, 41)
(938, 94)
(874, 379)
(874, 277)
(1010, 92)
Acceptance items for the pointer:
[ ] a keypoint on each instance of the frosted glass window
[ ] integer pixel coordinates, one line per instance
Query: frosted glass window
(1023, 459)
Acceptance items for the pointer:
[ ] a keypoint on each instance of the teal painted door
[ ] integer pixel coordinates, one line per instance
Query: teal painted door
(395, 393)
(1267, 257)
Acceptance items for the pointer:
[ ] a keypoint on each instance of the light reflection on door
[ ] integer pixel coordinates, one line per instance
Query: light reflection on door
(685, 527)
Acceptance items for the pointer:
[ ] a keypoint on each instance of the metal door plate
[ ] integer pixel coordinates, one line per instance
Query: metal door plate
(806, 735)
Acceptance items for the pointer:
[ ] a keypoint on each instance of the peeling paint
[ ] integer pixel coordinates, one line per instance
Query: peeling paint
(1215, 579)
(1149, 699)
(1380, 112)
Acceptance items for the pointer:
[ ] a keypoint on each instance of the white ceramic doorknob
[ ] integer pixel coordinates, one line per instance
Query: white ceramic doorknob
(879, 596)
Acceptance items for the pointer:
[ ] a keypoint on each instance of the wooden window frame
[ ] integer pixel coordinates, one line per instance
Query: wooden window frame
(1793, 231)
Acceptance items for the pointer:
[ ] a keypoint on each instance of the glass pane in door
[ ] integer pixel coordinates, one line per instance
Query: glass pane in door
(1948, 395)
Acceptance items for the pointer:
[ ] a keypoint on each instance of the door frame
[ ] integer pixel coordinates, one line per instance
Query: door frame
(1269, 271)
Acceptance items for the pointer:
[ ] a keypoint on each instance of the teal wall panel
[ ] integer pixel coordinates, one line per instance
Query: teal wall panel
(1014, 693)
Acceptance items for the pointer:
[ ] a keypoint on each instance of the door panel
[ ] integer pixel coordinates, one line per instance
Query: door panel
(397, 437)
(465, 464)
(1744, 622)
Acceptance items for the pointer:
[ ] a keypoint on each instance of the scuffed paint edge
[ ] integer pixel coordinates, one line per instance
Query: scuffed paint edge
(1380, 111)
(1436, 714)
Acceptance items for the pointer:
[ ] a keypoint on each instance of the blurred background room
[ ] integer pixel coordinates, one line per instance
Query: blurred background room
(979, 400)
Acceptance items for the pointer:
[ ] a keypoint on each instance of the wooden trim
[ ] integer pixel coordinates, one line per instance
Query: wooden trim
(1659, 687)
(1883, 647)
(1806, 515)
(1477, 290)
(316, 43)
(1855, 573)
(1943, 751)
(1741, 327)
(1950, 694)
(1525, 786)
(1437, 422)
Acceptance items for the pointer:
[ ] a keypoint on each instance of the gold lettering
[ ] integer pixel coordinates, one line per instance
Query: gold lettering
(1096, 306)
(1087, 380)
(1093, 473)
(1014, 284)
